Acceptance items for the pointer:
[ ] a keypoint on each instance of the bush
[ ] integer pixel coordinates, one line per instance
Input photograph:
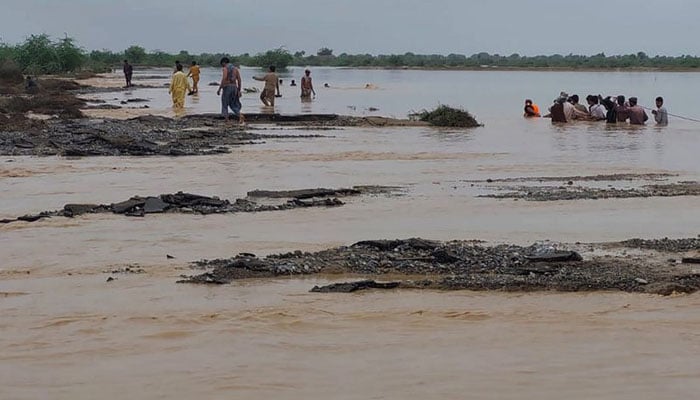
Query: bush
(40, 55)
(10, 72)
(449, 117)
(66, 106)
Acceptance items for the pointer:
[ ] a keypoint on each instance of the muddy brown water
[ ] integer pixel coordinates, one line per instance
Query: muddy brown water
(139, 338)
(68, 334)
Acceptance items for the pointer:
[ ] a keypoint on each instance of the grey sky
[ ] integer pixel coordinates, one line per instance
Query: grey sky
(527, 27)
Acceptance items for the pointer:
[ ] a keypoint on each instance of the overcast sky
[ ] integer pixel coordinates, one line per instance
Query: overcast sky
(527, 27)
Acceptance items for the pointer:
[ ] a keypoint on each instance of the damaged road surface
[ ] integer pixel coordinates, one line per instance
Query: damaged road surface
(458, 265)
(187, 203)
(595, 187)
(141, 136)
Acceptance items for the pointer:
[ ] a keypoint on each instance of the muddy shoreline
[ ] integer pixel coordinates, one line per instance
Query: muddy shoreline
(469, 265)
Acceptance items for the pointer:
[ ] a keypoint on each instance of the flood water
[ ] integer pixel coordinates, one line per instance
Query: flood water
(67, 334)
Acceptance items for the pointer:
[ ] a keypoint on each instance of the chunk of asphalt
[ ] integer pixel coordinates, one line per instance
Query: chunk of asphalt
(155, 205)
(128, 205)
(555, 256)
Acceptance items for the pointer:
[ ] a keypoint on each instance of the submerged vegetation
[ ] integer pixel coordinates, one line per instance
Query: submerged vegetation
(448, 117)
(40, 54)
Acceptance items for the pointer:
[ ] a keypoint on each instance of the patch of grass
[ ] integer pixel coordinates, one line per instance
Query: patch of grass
(449, 117)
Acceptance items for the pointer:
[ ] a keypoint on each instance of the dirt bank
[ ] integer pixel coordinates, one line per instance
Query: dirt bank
(53, 97)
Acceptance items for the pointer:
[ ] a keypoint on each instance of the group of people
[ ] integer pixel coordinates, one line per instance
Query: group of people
(610, 109)
(230, 86)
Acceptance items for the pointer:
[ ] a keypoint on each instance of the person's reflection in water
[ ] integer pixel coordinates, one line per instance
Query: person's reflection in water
(306, 106)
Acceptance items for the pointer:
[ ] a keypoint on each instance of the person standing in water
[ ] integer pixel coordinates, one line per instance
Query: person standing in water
(128, 72)
(532, 110)
(194, 73)
(660, 114)
(231, 87)
(557, 111)
(636, 113)
(179, 86)
(272, 86)
(307, 86)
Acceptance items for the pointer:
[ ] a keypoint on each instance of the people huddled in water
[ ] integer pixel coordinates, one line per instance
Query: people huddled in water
(611, 109)
(596, 111)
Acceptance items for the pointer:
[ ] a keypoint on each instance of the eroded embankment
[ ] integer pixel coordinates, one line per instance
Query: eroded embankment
(468, 265)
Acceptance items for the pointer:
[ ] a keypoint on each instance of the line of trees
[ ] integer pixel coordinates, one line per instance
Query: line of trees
(40, 54)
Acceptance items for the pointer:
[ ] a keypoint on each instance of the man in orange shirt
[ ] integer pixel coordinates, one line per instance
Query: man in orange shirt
(194, 74)
(531, 109)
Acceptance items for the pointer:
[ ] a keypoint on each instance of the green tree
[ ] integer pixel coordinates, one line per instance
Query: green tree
(37, 55)
(135, 54)
(280, 58)
(71, 57)
(324, 52)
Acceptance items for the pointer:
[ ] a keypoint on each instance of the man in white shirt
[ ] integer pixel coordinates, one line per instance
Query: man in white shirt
(660, 114)
(597, 110)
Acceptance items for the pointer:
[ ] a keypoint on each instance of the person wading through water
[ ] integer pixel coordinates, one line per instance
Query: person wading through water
(230, 90)
(194, 73)
(179, 86)
(307, 86)
(272, 86)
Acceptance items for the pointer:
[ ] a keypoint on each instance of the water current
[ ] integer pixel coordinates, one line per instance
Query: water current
(67, 334)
